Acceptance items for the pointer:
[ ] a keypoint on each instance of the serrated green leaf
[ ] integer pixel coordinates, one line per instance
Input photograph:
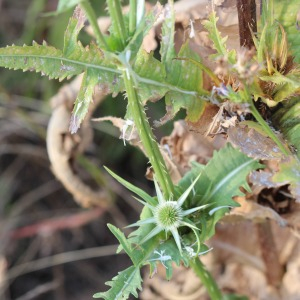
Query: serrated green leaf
(187, 76)
(219, 43)
(166, 253)
(126, 246)
(132, 188)
(146, 23)
(51, 62)
(75, 25)
(227, 172)
(149, 67)
(123, 285)
(40, 58)
(220, 180)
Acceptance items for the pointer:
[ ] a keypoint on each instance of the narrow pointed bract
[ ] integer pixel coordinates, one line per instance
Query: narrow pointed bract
(168, 216)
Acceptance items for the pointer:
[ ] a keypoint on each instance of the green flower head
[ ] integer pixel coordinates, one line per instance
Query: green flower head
(168, 215)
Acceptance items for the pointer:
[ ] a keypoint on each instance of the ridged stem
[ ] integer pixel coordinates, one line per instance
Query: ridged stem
(147, 137)
(206, 279)
(90, 14)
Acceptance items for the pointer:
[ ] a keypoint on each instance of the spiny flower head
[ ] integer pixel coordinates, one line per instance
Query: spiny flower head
(168, 215)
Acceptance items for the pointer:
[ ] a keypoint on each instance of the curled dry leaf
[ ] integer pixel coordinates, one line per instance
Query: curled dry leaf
(253, 143)
(126, 127)
(250, 210)
(205, 122)
(186, 146)
(63, 147)
(241, 267)
(286, 172)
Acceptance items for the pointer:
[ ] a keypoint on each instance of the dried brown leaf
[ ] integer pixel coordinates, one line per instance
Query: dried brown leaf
(186, 146)
(253, 143)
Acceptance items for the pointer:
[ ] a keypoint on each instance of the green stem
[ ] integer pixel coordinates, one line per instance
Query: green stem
(267, 12)
(206, 279)
(267, 129)
(115, 11)
(90, 14)
(147, 137)
(132, 17)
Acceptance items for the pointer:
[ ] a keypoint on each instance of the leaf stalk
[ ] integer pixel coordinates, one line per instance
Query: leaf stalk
(115, 11)
(90, 14)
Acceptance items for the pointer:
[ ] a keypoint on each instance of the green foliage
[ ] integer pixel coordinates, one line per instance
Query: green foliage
(101, 67)
(166, 254)
(167, 50)
(40, 58)
(287, 118)
(64, 5)
(132, 188)
(127, 282)
(220, 180)
(218, 42)
(205, 193)
(287, 16)
(154, 71)
(186, 76)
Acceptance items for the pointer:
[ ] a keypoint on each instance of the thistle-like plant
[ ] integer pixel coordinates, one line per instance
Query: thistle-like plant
(178, 227)
(169, 215)
(175, 224)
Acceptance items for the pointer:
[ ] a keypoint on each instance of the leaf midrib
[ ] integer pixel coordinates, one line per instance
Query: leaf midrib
(99, 67)
(228, 177)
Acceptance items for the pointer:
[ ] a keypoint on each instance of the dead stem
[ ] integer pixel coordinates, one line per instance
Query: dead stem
(247, 22)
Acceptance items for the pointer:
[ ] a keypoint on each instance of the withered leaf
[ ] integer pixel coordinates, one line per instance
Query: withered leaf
(253, 143)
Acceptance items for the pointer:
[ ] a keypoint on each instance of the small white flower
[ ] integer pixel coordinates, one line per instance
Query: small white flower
(168, 216)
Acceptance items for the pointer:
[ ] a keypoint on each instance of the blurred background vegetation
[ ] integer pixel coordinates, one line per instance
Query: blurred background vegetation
(38, 218)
